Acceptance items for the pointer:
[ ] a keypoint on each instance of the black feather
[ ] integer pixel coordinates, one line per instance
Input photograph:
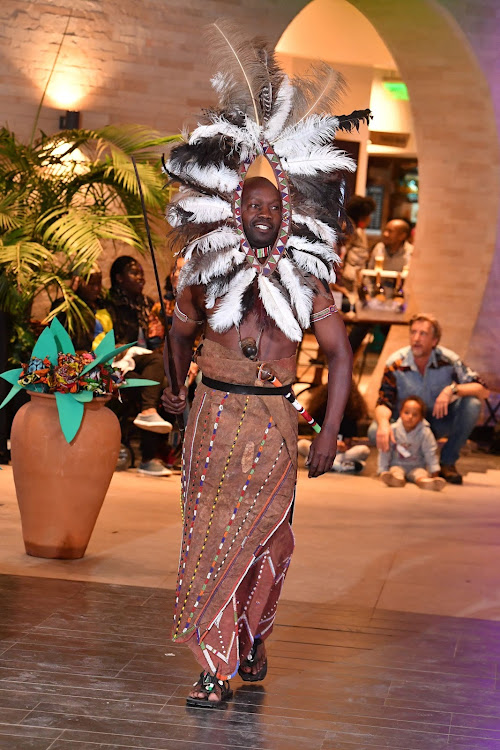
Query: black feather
(348, 122)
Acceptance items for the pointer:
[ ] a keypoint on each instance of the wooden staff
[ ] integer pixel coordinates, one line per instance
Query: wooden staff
(170, 364)
(267, 374)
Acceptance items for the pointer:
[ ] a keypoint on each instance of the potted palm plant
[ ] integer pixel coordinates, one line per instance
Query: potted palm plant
(61, 198)
(64, 442)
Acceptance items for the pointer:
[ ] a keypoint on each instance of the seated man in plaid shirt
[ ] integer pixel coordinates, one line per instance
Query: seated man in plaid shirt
(451, 391)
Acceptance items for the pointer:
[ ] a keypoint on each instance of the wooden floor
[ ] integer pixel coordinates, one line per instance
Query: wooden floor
(86, 666)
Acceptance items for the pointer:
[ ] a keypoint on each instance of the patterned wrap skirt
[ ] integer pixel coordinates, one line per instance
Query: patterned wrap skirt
(238, 485)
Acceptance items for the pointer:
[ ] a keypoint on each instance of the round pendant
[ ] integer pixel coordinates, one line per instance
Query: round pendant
(249, 348)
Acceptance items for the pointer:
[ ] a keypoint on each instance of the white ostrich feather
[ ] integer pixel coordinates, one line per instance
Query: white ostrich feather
(228, 313)
(218, 239)
(300, 294)
(318, 159)
(220, 126)
(315, 248)
(216, 177)
(278, 309)
(317, 227)
(282, 108)
(317, 130)
(201, 272)
(203, 208)
(309, 263)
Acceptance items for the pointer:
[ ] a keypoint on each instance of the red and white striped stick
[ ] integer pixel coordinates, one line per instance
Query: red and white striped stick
(267, 374)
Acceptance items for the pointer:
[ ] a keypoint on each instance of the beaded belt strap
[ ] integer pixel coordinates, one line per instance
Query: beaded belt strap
(246, 390)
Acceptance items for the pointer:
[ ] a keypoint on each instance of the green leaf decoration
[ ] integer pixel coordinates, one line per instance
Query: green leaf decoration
(15, 389)
(62, 338)
(136, 382)
(83, 396)
(70, 414)
(105, 356)
(107, 344)
(12, 376)
(46, 346)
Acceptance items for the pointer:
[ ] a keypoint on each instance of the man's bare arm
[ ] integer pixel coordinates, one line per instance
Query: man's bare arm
(385, 435)
(182, 337)
(332, 338)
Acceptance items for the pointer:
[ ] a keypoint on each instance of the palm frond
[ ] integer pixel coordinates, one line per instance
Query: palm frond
(78, 232)
(75, 311)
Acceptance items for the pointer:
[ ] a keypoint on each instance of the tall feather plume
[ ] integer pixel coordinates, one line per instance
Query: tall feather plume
(244, 76)
(282, 108)
(273, 74)
(320, 89)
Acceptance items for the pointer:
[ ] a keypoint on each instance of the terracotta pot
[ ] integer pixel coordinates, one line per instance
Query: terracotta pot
(61, 486)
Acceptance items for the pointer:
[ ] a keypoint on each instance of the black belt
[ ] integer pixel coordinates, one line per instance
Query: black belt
(246, 390)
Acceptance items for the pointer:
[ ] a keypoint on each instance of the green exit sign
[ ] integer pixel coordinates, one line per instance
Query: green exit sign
(397, 89)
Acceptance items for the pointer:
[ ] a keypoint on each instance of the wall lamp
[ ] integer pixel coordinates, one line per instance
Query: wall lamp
(69, 121)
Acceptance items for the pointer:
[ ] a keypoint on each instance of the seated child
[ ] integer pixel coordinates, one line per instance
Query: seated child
(413, 451)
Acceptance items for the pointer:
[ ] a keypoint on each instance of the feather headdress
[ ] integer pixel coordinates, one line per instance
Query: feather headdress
(261, 113)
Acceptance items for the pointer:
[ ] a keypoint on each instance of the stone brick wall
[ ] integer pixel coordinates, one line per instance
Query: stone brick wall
(127, 61)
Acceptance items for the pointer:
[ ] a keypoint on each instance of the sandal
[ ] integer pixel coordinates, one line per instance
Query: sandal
(207, 684)
(248, 676)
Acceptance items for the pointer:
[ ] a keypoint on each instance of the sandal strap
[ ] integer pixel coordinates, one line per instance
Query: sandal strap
(208, 682)
(253, 651)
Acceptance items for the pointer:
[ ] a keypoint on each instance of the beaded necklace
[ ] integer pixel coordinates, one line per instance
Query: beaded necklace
(262, 252)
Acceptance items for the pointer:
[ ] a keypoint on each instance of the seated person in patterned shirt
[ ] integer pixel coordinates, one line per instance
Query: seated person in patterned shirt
(451, 391)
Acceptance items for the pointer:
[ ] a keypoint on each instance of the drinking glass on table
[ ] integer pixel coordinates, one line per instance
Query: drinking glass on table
(352, 298)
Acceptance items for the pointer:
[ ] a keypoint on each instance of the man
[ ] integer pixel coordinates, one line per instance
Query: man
(246, 445)
(451, 391)
(259, 254)
(393, 253)
(395, 250)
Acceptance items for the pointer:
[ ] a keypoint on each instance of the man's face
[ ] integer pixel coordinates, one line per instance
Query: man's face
(260, 212)
(411, 415)
(394, 234)
(422, 338)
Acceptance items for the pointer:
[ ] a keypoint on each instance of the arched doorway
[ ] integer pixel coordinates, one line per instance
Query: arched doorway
(458, 162)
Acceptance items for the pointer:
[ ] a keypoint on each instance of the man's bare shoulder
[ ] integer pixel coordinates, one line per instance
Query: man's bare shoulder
(191, 301)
